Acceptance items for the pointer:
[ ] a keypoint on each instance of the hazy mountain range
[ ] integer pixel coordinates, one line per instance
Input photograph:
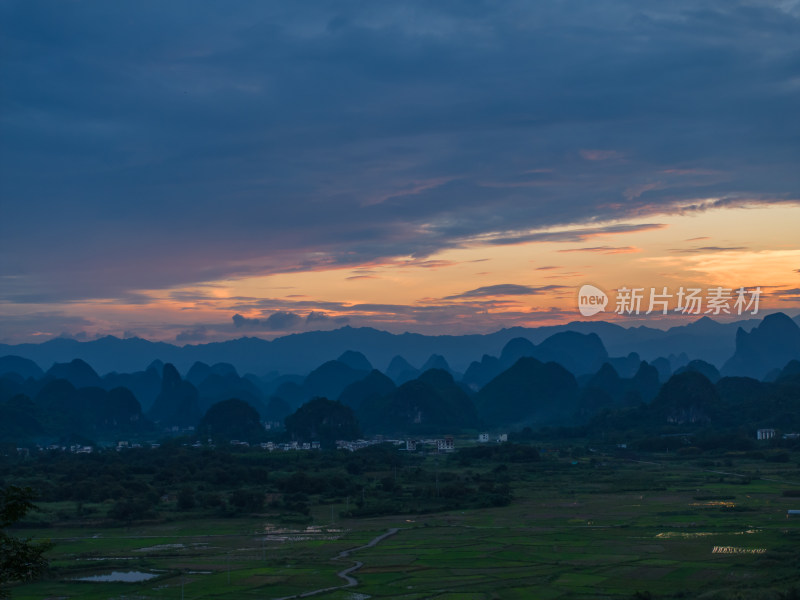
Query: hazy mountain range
(567, 378)
(704, 339)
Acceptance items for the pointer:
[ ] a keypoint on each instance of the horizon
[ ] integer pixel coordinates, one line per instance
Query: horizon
(623, 324)
(264, 170)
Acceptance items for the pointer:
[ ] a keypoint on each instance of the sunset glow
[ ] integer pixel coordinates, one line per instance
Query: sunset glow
(454, 179)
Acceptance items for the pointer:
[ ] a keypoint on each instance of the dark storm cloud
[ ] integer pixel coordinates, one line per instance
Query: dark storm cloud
(148, 145)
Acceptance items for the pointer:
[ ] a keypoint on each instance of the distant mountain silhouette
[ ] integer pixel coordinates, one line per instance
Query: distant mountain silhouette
(687, 398)
(20, 420)
(400, 371)
(436, 361)
(480, 373)
(771, 345)
(701, 366)
(277, 409)
(703, 339)
(23, 367)
(370, 389)
(231, 419)
(662, 365)
(145, 385)
(608, 381)
(355, 360)
(178, 402)
(606, 389)
(431, 404)
(330, 379)
(217, 387)
(626, 366)
(790, 372)
(291, 392)
(157, 367)
(324, 421)
(645, 382)
(454, 396)
(91, 412)
(198, 372)
(77, 372)
(578, 353)
(514, 350)
(530, 392)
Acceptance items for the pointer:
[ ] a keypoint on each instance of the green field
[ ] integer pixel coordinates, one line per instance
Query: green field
(576, 528)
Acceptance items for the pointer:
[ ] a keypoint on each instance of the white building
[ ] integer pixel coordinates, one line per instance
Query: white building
(483, 437)
(445, 445)
(765, 434)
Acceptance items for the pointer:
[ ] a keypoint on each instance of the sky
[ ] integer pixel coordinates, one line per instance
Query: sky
(193, 171)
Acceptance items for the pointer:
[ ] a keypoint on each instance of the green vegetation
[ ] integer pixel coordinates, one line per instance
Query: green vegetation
(582, 520)
(20, 560)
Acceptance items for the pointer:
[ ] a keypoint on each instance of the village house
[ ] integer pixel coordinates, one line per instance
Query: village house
(765, 434)
(445, 445)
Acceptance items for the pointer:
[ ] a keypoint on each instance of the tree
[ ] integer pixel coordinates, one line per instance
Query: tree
(20, 560)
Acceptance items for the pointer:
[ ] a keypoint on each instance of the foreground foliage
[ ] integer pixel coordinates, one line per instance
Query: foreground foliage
(20, 560)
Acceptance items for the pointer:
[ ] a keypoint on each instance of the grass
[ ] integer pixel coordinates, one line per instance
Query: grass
(602, 529)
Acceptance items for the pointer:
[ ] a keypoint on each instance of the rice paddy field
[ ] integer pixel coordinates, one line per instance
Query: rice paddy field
(607, 527)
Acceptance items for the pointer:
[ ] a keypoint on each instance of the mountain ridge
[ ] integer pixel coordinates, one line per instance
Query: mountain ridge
(300, 353)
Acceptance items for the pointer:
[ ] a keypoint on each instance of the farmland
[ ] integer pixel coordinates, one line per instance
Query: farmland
(578, 526)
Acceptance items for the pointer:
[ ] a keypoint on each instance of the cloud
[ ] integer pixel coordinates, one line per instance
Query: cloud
(282, 321)
(198, 334)
(281, 144)
(605, 249)
(571, 235)
(241, 322)
(80, 336)
(505, 289)
(708, 249)
(316, 316)
(321, 317)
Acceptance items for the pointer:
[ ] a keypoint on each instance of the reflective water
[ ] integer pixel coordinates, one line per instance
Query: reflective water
(124, 576)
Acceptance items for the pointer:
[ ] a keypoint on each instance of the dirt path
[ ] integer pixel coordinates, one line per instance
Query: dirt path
(346, 573)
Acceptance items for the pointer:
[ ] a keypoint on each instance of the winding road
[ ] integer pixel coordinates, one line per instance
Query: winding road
(346, 573)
